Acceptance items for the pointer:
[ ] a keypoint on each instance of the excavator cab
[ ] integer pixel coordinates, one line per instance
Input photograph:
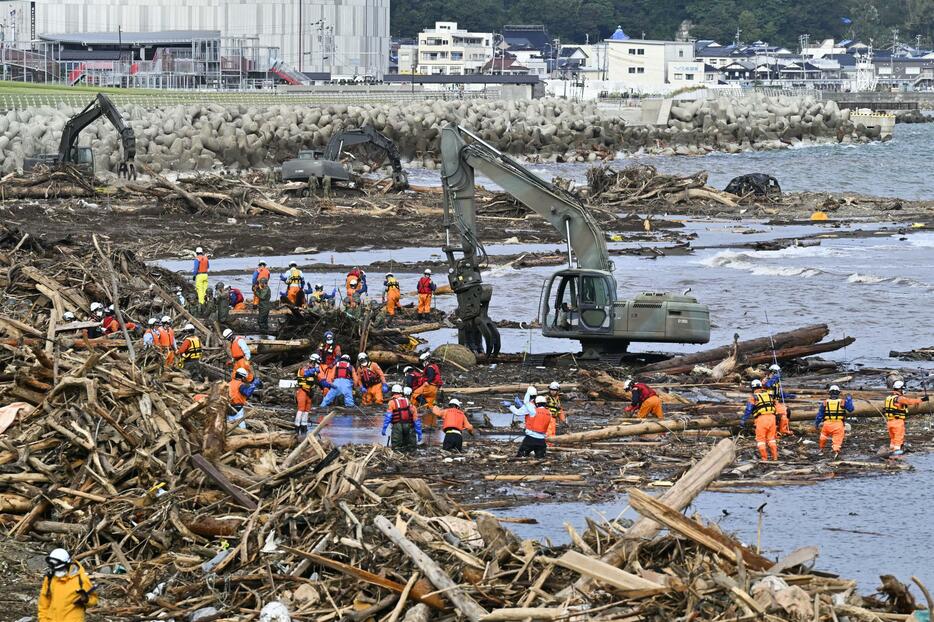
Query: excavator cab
(83, 159)
(578, 303)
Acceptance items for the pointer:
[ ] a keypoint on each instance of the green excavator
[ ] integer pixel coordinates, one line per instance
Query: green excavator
(579, 302)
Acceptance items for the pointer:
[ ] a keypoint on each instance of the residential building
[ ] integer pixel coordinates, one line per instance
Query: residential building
(449, 50)
(505, 65)
(649, 65)
(408, 58)
(586, 59)
(527, 38)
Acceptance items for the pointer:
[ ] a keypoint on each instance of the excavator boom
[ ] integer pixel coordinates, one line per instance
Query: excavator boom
(369, 135)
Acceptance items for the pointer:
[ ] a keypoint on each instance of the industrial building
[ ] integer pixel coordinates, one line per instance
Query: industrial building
(345, 38)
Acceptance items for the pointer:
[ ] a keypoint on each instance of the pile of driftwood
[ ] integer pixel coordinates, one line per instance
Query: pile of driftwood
(642, 185)
(46, 183)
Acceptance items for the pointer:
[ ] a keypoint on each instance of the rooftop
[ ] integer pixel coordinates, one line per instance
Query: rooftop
(132, 38)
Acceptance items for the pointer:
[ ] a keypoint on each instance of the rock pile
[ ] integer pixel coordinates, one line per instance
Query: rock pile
(184, 138)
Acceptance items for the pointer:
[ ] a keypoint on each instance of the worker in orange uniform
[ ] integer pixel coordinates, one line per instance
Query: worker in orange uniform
(779, 396)
(428, 390)
(392, 295)
(328, 350)
(240, 353)
(645, 400)
(66, 590)
(554, 407)
(372, 380)
(406, 425)
(896, 411)
(199, 274)
(426, 289)
(190, 353)
(111, 325)
(236, 300)
(239, 392)
(830, 420)
(295, 284)
(166, 341)
(761, 406)
(261, 272)
(536, 427)
(308, 378)
(453, 423)
(354, 292)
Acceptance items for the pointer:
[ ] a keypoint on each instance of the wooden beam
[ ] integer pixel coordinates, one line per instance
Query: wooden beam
(238, 494)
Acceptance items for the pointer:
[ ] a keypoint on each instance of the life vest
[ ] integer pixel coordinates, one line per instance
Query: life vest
(295, 278)
(893, 409)
(343, 370)
(453, 420)
(165, 337)
(539, 422)
(415, 379)
(233, 391)
(110, 324)
(778, 394)
(262, 273)
(368, 377)
(203, 264)
(236, 296)
(304, 382)
(193, 353)
(327, 353)
(644, 392)
(401, 410)
(436, 377)
(554, 405)
(317, 295)
(764, 404)
(834, 410)
(392, 283)
(235, 350)
(424, 285)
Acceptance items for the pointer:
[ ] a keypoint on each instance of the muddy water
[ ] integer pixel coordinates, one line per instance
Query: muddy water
(884, 521)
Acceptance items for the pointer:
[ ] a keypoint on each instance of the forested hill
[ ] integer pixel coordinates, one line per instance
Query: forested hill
(776, 21)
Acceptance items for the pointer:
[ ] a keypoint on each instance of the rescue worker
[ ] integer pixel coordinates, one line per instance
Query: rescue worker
(453, 423)
(307, 379)
(317, 297)
(354, 293)
(761, 407)
(66, 590)
(149, 337)
(645, 400)
(391, 295)
(428, 390)
(239, 392)
(832, 414)
(199, 274)
(221, 303)
(328, 350)
(166, 341)
(402, 416)
(111, 325)
(360, 276)
(295, 284)
(236, 299)
(779, 396)
(190, 353)
(554, 407)
(342, 378)
(426, 289)
(180, 297)
(262, 297)
(536, 426)
(240, 353)
(372, 380)
(261, 272)
(97, 315)
(524, 407)
(412, 378)
(896, 411)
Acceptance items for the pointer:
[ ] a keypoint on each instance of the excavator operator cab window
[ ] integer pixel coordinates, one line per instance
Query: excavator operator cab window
(565, 304)
(83, 155)
(595, 301)
(581, 302)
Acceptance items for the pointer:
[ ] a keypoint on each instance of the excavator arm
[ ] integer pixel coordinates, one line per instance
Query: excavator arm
(369, 135)
(466, 255)
(100, 107)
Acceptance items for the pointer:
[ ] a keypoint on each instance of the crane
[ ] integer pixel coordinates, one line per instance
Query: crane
(82, 158)
(579, 302)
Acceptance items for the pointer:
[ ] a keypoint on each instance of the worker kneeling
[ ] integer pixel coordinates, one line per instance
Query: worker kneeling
(645, 400)
(453, 423)
(66, 590)
(832, 414)
(406, 426)
(761, 406)
(536, 427)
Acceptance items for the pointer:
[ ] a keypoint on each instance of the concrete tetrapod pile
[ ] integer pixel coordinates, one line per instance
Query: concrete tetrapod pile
(198, 137)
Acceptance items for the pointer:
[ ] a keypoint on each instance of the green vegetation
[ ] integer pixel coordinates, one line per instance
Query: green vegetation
(777, 21)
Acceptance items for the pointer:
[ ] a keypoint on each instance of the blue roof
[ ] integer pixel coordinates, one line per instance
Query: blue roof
(619, 35)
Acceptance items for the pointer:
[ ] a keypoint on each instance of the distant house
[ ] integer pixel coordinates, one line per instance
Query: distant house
(527, 37)
(505, 65)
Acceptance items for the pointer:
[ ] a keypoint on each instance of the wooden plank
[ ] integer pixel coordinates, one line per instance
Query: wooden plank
(610, 575)
(238, 494)
(534, 478)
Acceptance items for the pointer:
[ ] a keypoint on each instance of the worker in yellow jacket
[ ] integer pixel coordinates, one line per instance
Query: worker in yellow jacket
(67, 590)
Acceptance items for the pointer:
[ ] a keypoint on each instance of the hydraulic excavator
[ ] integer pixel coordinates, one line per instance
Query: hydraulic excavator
(579, 302)
(82, 158)
(312, 163)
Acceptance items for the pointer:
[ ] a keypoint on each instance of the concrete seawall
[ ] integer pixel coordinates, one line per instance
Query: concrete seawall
(184, 138)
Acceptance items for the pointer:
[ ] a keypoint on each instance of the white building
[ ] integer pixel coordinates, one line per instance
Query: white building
(449, 50)
(586, 59)
(650, 66)
(346, 37)
(408, 58)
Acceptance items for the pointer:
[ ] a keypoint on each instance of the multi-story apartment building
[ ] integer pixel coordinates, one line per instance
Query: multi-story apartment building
(449, 50)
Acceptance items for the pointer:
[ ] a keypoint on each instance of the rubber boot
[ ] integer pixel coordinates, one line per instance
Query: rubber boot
(304, 431)
(298, 431)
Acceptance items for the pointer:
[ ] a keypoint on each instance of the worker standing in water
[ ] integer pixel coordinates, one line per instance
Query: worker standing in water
(453, 423)
(554, 407)
(402, 416)
(66, 590)
(536, 427)
(426, 289)
(307, 379)
(645, 400)
(392, 296)
(199, 274)
(831, 419)
(896, 411)
(762, 407)
(779, 396)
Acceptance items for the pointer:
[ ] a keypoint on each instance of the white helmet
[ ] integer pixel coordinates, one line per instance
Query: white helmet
(628, 384)
(152, 321)
(199, 251)
(242, 373)
(362, 356)
(834, 389)
(95, 306)
(424, 356)
(898, 385)
(397, 388)
(188, 328)
(293, 264)
(454, 402)
(166, 319)
(406, 369)
(406, 391)
(532, 391)
(756, 384)
(389, 274)
(345, 358)
(227, 334)
(428, 271)
(314, 358)
(774, 367)
(58, 561)
(68, 316)
(353, 282)
(554, 386)
(541, 399)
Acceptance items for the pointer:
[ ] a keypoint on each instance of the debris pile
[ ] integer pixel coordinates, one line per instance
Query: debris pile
(643, 186)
